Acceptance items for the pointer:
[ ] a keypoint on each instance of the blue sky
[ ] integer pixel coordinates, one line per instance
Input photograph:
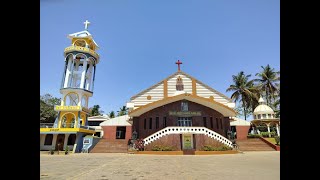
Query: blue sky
(141, 40)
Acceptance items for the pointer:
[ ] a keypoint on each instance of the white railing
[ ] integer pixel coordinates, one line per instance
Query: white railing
(183, 130)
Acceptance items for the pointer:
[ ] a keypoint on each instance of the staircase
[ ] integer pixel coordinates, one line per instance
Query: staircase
(253, 144)
(188, 152)
(111, 146)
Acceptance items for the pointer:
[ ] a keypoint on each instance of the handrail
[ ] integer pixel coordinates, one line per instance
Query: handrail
(46, 125)
(182, 130)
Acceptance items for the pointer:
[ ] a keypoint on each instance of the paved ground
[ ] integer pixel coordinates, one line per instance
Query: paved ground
(246, 166)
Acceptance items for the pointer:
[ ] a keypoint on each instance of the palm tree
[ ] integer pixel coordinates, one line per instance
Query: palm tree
(243, 91)
(123, 111)
(268, 82)
(111, 114)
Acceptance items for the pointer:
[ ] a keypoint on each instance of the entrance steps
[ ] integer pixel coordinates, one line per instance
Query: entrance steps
(111, 146)
(253, 144)
(188, 152)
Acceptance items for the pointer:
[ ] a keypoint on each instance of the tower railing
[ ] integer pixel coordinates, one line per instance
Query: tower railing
(46, 125)
(184, 130)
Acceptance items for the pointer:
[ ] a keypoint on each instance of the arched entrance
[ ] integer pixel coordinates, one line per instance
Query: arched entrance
(72, 139)
(60, 142)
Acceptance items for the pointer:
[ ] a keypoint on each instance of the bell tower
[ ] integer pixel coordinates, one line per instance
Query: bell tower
(77, 82)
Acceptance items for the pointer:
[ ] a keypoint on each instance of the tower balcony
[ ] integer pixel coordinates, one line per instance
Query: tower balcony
(82, 49)
(52, 128)
(71, 108)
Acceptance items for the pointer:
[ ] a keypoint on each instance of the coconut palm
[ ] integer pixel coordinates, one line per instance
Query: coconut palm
(123, 111)
(268, 82)
(243, 91)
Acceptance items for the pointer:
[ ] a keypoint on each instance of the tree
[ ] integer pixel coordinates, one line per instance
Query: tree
(268, 82)
(243, 91)
(95, 111)
(47, 112)
(123, 111)
(111, 114)
(240, 112)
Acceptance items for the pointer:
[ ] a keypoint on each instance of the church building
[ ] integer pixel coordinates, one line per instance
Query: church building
(181, 112)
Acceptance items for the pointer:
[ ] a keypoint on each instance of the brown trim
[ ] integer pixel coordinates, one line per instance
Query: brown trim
(194, 87)
(187, 75)
(165, 88)
(215, 152)
(179, 97)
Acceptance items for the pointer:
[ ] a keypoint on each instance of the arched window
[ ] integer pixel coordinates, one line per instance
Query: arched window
(71, 139)
(48, 140)
(179, 84)
(71, 99)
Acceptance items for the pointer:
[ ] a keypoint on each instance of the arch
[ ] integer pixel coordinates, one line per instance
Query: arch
(224, 110)
(71, 99)
(48, 139)
(80, 43)
(68, 121)
(72, 139)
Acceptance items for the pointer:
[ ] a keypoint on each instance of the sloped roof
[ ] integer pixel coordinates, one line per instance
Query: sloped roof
(99, 118)
(187, 75)
(117, 121)
(82, 34)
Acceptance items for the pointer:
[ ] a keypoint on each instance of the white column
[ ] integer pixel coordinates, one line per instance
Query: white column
(66, 136)
(42, 140)
(269, 129)
(83, 74)
(68, 72)
(253, 130)
(278, 131)
(54, 141)
(89, 74)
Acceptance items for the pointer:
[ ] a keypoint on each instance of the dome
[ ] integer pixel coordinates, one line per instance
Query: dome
(262, 108)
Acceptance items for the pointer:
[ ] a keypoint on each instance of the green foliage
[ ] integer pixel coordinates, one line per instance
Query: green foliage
(161, 148)
(95, 111)
(266, 134)
(253, 136)
(277, 138)
(123, 111)
(47, 112)
(220, 148)
(52, 150)
(66, 151)
(268, 80)
(244, 91)
(111, 114)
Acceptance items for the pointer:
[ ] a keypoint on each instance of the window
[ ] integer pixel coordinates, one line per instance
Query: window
(264, 116)
(157, 122)
(164, 122)
(150, 123)
(259, 116)
(48, 140)
(205, 121)
(121, 132)
(211, 122)
(269, 116)
(184, 121)
(145, 124)
(221, 123)
(184, 106)
(217, 123)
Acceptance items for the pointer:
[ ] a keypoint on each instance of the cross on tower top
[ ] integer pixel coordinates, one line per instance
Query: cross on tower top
(178, 62)
(86, 23)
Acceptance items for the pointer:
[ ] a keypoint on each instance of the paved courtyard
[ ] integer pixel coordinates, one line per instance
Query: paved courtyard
(245, 166)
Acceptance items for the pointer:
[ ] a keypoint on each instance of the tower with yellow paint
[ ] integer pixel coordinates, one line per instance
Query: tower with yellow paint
(76, 88)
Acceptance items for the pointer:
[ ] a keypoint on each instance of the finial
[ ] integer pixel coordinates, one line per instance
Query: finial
(178, 62)
(86, 24)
